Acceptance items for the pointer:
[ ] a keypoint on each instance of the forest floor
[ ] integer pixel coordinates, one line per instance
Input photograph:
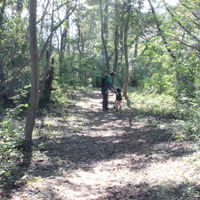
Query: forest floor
(84, 153)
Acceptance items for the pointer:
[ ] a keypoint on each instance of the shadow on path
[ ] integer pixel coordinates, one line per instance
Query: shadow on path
(104, 136)
(107, 136)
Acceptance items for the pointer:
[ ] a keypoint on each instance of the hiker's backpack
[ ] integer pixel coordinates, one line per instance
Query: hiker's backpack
(103, 81)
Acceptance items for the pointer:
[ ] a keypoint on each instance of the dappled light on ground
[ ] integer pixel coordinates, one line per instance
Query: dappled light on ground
(96, 155)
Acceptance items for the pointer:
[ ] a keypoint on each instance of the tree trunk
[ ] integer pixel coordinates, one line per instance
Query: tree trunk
(116, 38)
(48, 85)
(81, 50)
(63, 45)
(104, 33)
(2, 9)
(116, 44)
(126, 81)
(48, 57)
(32, 111)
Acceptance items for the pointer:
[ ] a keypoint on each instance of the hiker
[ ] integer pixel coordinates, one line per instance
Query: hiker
(118, 100)
(107, 84)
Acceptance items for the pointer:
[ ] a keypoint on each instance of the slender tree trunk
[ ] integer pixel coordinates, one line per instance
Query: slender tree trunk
(136, 46)
(104, 32)
(48, 58)
(63, 44)
(32, 111)
(61, 53)
(48, 84)
(81, 50)
(116, 44)
(116, 38)
(126, 81)
(2, 10)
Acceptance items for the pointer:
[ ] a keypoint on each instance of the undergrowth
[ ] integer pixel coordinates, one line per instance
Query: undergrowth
(184, 113)
(12, 133)
(10, 137)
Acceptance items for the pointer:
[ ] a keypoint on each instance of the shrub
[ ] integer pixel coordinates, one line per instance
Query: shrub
(186, 113)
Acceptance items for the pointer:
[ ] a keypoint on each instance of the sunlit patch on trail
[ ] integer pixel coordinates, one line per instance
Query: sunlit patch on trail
(96, 155)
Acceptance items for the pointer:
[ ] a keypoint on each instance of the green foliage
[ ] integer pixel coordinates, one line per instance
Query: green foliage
(190, 124)
(160, 83)
(160, 106)
(185, 112)
(63, 94)
(14, 45)
(172, 191)
(10, 137)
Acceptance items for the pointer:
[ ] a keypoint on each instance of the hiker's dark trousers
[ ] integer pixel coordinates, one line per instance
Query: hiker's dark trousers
(105, 99)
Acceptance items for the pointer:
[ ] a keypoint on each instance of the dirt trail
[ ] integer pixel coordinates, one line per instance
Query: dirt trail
(96, 155)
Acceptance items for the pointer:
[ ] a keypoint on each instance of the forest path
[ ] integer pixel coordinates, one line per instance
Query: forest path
(96, 155)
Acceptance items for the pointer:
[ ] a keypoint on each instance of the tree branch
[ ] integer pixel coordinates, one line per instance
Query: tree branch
(160, 31)
(180, 24)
